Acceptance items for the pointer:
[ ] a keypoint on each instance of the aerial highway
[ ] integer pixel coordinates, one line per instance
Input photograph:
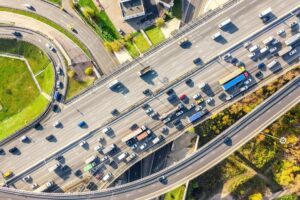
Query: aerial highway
(105, 60)
(199, 162)
(84, 107)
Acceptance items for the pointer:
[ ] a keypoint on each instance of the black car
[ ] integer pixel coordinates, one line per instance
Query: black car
(55, 108)
(145, 106)
(115, 112)
(234, 61)
(176, 122)
(17, 34)
(147, 92)
(163, 180)
(59, 158)
(1, 151)
(197, 61)
(259, 74)
(189, 81)
(78, 172)
(13, 150)
(50, 137)
(170, 91)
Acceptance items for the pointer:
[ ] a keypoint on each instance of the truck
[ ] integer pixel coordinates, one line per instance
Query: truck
(268, 40)
(122, 156)
(284, 51)
(272, 64)
(193, 118)
(45, 187)
(155, 140)
(54, 167)
(265, 13)
(108, 149)
(225, 23)
(293, 40)
(90, 159)
(142, 136)
(107, 177)
(113, 84)
(144, 71)
(130, 157)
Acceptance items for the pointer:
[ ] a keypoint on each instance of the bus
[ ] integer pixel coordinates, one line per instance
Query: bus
(293, 40)
(232, 75)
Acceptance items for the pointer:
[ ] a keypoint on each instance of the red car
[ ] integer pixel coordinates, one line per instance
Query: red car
(182, 97)
(99, 175)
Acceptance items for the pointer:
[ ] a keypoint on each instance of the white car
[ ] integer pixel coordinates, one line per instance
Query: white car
(104, 159)
(56, 124)
(28, 6)
(197, 96)
(143, 146)
(248, 81)
(50, 47)
(26, 178)
(154, 114)
(244, 88)
(227, 57)
(59, 84)
(23, 138)
(98, 148)
(246, 45)
(82, 143)
(209, 100)
(164, 130)
(149, 110)
(281, 32)
(106, 130)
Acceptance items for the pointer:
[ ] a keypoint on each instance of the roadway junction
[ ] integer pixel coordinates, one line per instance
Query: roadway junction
(172, 66)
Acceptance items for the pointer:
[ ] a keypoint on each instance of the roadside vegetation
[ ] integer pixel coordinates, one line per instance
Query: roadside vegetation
(50, 23)
(263, 165)
(176, 10)
(20, 100)
(176, 194)
(155, 35)
(58, 2)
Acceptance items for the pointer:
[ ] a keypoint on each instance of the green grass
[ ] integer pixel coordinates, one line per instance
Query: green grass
(50, 23)
(176, 194)
(20, 98)
(24, 117)
(58, 2)
(141, 43)
(46, 79)
(131, 49)
(101, 22)
(75, 87)
(177, 9)
(155, 35)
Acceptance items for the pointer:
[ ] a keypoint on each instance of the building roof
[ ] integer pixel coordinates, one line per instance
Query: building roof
(132, 8)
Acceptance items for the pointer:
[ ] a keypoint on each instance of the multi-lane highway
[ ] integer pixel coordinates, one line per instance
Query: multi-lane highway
(95, 110)
(105, 60)
(199, 162)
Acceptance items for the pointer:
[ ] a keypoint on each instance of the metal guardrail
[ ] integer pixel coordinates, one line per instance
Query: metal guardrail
(176, 35)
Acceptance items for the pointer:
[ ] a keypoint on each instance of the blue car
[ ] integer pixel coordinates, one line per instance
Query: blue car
(82, 124)
(261, 66)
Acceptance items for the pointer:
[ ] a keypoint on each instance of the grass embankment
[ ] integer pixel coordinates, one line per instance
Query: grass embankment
(37, 59)
(20, 99)
(176, 194)
(141, 42)
(50, 23)
(263, 164)
(75, 86)
(58, 2)
(155, 35)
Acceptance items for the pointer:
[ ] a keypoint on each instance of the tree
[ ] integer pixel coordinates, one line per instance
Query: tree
(88, 71)
(88, 12)
(159, 22)
(128, 37)
(108, 46)
(116, 46)
(256, 196)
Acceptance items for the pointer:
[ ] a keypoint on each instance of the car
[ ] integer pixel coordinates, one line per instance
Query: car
(106, 130)
(281, 32)
(133, 147)
(57, 124)
(78, 172)
(184, 43)
(59, 84)
(197, 61)
(229, 97)
(294, 51)
(134, 127)
(145, 106)
(234, 61)
(104, 159)
(209, 100)
(24, 138)
(13, 150)
(2, 151)
(98, 148)
(180, 106)
(177, 122)
(227, 57)
(170, 92)
(188, 81)
(199, 101)
(149, 110)
(99, 175)
(143, 146)
(59, 158)
(17, 34)
(252, 55)
(259, 74)
(153, 114)
(50, 137)
(261, 66)
(55, 108)
(29, 6)
(164, 129)
(179, 113)
(121, 32)
(26, 178)
(115, 112)
(248, 81)
(244, 88)
(163, 180)
(82, 124)
(82, 143)
(183, 97)
(192, 105)
(247, 45)
(198, 108)
(197, 96)
(50, 47)
(34, 186)
(216, 36)
(147, 92)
